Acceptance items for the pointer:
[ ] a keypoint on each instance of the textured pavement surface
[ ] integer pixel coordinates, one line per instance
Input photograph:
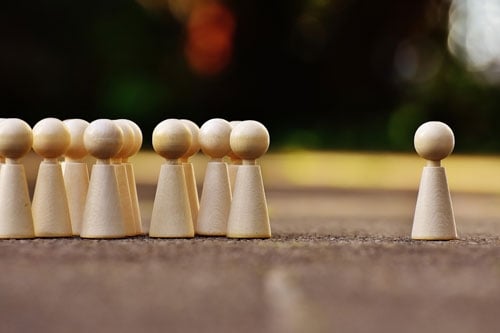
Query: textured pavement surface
(339, 261)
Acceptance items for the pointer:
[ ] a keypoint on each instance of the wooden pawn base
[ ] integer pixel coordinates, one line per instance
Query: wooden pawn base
(249, 217)
(136, 211)
(233, 171)
(51, 217)
(192, 191)
(434, 218)
(171, 217)
(215, 201)
(76, 181)
(125, 199)
(15, 205)
(103, 215)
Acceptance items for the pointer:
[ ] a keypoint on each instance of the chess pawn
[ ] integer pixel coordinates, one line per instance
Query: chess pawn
(122, 178)
(16, 139)
(103, 215)
(235, 161)
(134, 149)
(171, 215)
(194, 202)
(51, 216)
(249, 216)
(216, 193)
(76, 173)
(434, 218)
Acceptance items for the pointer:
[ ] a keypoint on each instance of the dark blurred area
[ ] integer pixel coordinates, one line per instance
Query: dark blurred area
(339, 74)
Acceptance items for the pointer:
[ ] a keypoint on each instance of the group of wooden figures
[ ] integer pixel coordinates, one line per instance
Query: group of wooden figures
(67, 202)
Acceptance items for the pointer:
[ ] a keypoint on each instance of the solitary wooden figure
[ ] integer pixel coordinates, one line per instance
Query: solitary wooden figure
(434, 218)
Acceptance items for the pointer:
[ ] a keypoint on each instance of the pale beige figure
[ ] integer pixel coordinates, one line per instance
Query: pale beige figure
(16, 139)
(434, 218)
(103, 214)
(76, 173)
(131, 176)
(51, 217)
(234, 160)
(2, 158)
(216, 193)
(122, 178)
(194, 202)
(249, 217)
(171, 216)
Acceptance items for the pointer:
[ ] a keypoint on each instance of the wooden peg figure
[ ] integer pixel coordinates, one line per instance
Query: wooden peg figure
(2, 158)
(434, 218)
(103, 214)
(194, 202)
(122, 178)
(249, 216)
(235, 161)
(171, 217)
(216, 193)
(16, 139)
(51, 216)
(76, 173)
(134, 149)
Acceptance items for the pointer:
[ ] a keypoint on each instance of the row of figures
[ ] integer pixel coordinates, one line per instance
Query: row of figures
(66, 202)
(233, 202)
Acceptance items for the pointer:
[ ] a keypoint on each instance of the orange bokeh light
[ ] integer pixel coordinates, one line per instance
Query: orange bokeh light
(209, 45)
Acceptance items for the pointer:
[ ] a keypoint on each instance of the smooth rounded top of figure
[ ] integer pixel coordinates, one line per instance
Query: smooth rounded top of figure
(76, 128)
(434, 140)
(137, 137)
(128, 139)
(214, 137)
(16, 138)
(51, 138)
(103, 139)
(231, 154)
(171, 139)
(249, 140)
(195, 142)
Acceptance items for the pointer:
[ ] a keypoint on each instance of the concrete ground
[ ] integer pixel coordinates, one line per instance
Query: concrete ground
(339, 261)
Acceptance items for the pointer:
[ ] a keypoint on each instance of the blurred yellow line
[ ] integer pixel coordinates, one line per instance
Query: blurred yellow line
(355, 170)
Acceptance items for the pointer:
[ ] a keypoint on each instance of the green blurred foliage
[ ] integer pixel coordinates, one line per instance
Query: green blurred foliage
(319, 74)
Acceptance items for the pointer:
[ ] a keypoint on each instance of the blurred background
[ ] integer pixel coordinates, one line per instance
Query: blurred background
(320, 74)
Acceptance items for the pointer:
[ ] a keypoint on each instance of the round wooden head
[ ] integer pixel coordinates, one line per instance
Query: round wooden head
(128, 139)
(137, 137)
(231, 154)
(103, 139)
(76, 128)
(249, 140)
(195, 143)
(434, 140)
(16, 138)
(214, 138)
(51, 138)
(171, 139)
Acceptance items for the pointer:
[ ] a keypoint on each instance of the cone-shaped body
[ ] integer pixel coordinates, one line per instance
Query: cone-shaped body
(194, 202)
(103, 217)
(171, 215)
(76, 180)
(15, 205)
(50, 204)
(215, 201)
(434, 218)
(125, 199)
(233, 170)
(136, 211)
(249, 217)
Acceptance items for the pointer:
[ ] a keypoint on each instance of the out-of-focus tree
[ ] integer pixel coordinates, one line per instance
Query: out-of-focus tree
(340, 74)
